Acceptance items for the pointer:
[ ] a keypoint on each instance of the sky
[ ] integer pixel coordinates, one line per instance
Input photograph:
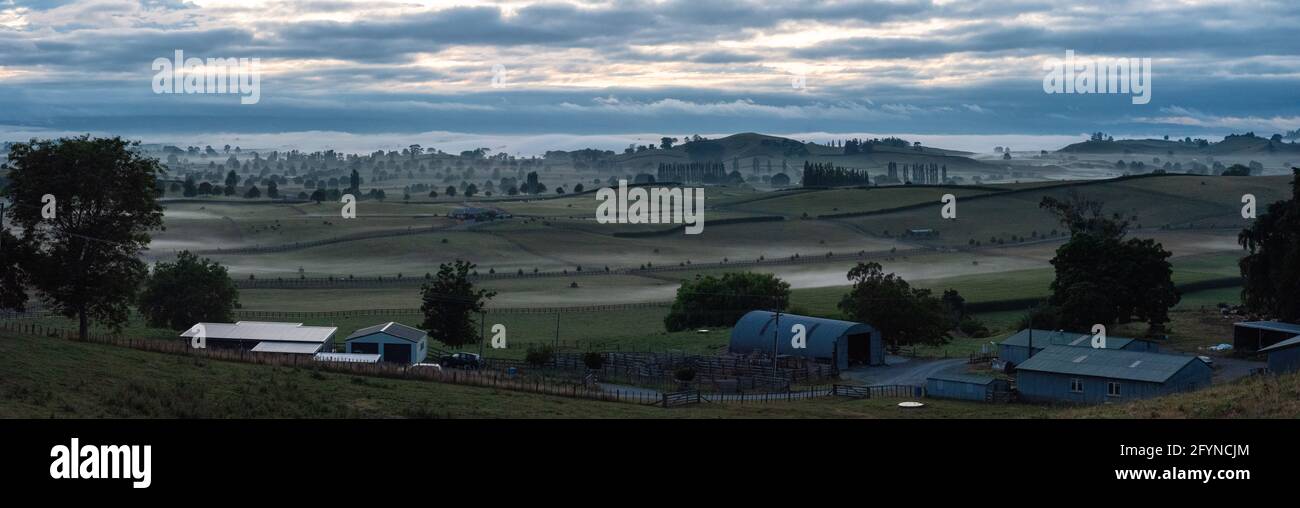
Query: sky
(524, 76)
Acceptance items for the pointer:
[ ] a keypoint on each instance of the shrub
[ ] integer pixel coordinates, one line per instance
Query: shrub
(539, 355)
(593, 360)
(684, 374)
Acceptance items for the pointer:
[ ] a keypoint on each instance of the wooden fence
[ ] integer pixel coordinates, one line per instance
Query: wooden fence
(878, 391)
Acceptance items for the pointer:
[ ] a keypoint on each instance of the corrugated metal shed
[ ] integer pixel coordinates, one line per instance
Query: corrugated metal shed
(964, 386)
(1284, 356)
(1107, 363)
(264, 330)
(827, 339)
(392, 328)
(1015, 349)
(302, 348)
(1257, 335)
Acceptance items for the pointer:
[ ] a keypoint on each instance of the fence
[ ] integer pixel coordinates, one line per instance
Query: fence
(878, 391)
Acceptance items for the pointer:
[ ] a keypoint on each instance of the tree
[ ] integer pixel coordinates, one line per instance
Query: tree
(13, 295)
(189, 189)
(187, 291)
(450, 301)
(354, 182)
(232, 181)
(1236, 170)
(272, 189)
(666, 143)
(1271, 270)
(318, 195)
(253, 193)
(1103, 278)
(451, 191)
(84, 261)
(904, 315)
(720, 301)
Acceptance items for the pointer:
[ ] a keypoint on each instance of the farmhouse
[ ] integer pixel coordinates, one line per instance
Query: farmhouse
(1284, 356)
(393, 342)
(965, 387)
(839, 343)
(1085, 375)
(1256, 335)
(265, 337)
(1017, 348)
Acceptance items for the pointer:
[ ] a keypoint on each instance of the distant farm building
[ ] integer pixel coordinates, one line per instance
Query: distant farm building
(393, 342)
(478, 213)
(965, 387)
(1251, 336)
(1017, 348)
(839, 343)
(265, 337)
(1086, 375)
(1284, 356)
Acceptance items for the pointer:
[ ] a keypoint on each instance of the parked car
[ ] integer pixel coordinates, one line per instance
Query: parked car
(462, 360)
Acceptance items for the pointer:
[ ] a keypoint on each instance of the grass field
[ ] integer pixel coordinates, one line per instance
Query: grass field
(51, 378)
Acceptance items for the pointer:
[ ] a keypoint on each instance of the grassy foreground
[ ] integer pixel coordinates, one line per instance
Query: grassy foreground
(56, 378)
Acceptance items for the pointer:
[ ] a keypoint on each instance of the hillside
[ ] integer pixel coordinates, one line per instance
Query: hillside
(1242, 145)
(745, 147)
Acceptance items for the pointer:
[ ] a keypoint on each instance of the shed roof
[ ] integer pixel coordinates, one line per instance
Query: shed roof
(1107, 363)
(391, 328)
(1044, 338)
(1291, 342)
(263, 330)
(962, 378)
(1273, 326)
(273, 346)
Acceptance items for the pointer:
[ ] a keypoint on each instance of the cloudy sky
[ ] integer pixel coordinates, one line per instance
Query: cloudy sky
(604, 71)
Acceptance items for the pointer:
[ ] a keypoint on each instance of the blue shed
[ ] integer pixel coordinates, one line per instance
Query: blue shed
(964, 386)
(393, 342)
(1284, 356)
(1017, 348)
(1086, 375)
(1251, 336)
(840, 343)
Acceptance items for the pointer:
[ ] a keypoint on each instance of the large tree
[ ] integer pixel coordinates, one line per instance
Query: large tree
(450, 302)
(1103, 277)
(85, 258)
(13, 295)
(1271, 270)
(187, 291)
(720, 301)
(903, 314)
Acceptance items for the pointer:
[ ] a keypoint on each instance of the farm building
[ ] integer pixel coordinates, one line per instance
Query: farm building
(1017, 348)
(839, 343)
(393, 342)
(1086, 375)
(1284, 356)
(265, 337)
(478, 213)
(1256, 335)
(965, 387)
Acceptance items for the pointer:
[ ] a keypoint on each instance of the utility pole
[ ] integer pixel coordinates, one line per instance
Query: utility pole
(557, 331)
(776, 335)
(482, 320)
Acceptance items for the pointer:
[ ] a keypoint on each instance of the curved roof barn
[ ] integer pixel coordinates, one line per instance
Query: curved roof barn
(840, 343)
